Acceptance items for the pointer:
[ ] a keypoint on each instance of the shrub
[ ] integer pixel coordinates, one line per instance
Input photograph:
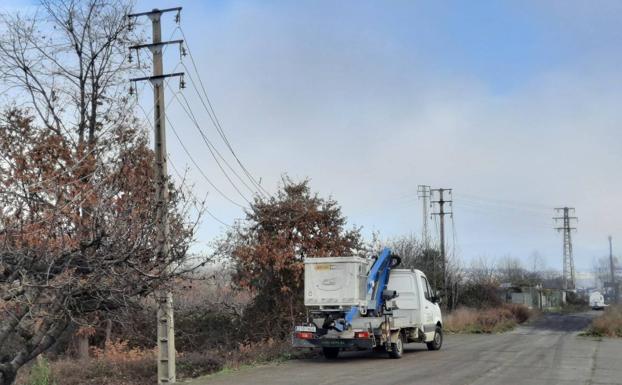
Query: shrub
(608, 324)
(520, 313)
(40, 373)
(480, 295)
(492, 320)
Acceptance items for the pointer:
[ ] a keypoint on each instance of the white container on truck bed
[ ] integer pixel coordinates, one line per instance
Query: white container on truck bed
(335, 281)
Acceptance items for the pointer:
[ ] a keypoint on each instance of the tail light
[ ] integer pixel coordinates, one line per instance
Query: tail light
(304, 335)
(362, 335)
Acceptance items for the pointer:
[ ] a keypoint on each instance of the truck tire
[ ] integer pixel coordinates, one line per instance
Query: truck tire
(330, 353)
(397, 349)
(437, 342)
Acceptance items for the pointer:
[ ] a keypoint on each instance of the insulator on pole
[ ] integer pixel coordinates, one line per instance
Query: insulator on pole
(182, 83)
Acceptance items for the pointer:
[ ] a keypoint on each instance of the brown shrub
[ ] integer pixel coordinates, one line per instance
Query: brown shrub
(120, 364)
(493, 320)
(521, 313)
(460, 320)
(609, 323)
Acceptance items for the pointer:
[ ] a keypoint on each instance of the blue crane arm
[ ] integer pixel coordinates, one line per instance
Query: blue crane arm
(377, 280)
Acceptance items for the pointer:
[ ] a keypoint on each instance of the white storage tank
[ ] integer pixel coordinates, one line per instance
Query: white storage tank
(336, 281)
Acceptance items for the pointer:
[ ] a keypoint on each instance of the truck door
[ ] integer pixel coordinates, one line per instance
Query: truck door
(408, 299)
(429, 309)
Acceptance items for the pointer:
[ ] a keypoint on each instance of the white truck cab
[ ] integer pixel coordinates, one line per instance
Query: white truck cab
(416, 303)
(358, 303)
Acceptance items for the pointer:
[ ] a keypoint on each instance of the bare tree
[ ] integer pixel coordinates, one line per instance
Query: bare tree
(415, 255)
(77, 217)
(482, 271)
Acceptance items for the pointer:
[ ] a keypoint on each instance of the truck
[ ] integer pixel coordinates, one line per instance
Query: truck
(597, 301)
(356, 303)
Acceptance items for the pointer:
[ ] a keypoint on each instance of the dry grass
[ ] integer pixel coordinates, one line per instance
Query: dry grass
(609, 324)
(122, 365)
(492, 320)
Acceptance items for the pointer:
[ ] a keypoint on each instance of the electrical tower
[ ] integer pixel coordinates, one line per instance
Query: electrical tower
(441, 202)
(423, 193)
(566, 228)
(165, 322)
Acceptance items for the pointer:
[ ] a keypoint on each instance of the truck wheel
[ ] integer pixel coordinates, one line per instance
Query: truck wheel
(397, 349)
(437, 342)
(330, 353)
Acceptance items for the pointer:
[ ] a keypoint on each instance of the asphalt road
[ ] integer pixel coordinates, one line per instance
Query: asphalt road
(547, 352)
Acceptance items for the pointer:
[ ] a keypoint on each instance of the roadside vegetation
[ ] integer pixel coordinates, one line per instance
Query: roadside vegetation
(491, 320)
(122, 365)
(608, 324)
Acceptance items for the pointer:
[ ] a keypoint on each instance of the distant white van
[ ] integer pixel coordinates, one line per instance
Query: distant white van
(597, 301)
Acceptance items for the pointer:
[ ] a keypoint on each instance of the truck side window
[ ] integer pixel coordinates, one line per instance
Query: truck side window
(432, 294)
(426, 288)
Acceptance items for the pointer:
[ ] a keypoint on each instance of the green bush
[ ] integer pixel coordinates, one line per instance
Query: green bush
(41, 374)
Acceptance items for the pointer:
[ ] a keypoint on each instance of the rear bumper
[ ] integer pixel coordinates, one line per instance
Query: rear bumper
(345, 343)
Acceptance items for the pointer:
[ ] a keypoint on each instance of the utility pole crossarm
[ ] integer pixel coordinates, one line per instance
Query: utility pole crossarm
(155, 11)
(157, 77)
(156, 45)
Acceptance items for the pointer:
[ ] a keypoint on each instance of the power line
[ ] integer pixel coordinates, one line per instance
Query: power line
(209, 107)
(194, 198)
(212, 149)
(199, 169)
(505, 202)
(181, 176)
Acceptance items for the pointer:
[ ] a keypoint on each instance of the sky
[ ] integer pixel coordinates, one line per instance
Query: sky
(515, 105)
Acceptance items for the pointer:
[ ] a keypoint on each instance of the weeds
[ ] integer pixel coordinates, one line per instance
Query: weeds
(120, 364)
(40, 373)
(492, 320)
(609, 324)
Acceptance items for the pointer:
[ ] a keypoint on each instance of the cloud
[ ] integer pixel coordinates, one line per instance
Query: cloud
(371, 100)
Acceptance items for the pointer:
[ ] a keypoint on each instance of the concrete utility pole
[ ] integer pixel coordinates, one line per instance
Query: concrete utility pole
(423, 193)
(614, 284)
(569, 273)
(165, 321)
(441, 213)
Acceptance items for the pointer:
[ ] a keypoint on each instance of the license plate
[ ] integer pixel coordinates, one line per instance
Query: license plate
(310, 329)
(333, 342)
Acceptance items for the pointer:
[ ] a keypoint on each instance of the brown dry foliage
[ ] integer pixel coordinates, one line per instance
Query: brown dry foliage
(267, 253)
(78, 216)
(123, 365)
(609, 323)
(491, 320)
